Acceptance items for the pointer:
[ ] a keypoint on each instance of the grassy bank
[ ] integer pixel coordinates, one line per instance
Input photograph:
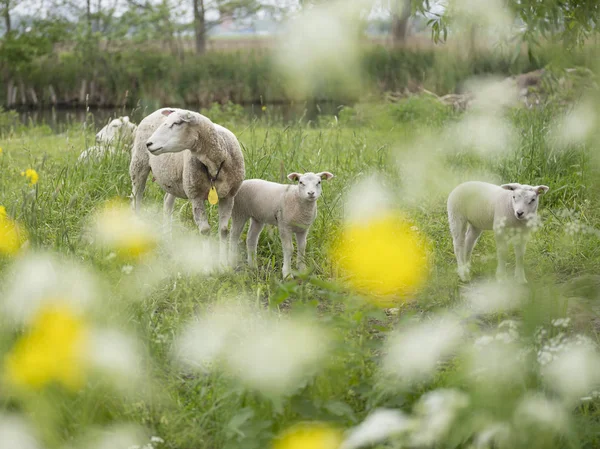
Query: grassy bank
(213, 409)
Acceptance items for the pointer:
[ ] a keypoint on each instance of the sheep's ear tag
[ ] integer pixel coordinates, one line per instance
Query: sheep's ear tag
(213, 198)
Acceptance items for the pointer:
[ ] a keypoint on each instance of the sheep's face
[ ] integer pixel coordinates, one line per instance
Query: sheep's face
(118, 129)
(525, 199)
(175, 134)
(309, 184)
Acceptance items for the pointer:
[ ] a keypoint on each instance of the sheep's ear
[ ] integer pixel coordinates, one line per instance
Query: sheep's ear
(540, 190)
(294, 176)
(512, 186)
(325, 175)
(167, 112)
(187, 117)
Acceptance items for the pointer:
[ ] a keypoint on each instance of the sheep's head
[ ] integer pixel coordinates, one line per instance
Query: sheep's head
(178, 132)
(118, 129)
(309, 184)
(525, 199)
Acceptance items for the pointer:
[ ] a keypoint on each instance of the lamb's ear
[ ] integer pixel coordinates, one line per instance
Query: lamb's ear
(512, 186)
(325, 175)
(167, 112)
(294, 176)
(540, 190)
(187, 117)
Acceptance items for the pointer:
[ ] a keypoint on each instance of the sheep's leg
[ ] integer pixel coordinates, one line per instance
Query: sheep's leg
(301, 241)
(285, 234)
(237, 226)
(520, 246)
(471, 238)
(458, 229)
(252, 240)
(200, 215)
(225, 208)
(502, 252)
(139, 168)
(168, 206)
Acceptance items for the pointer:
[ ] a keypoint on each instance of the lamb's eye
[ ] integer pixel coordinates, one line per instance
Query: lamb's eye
(319, 183)
(301, 183)
(532, 201)
(514, 198)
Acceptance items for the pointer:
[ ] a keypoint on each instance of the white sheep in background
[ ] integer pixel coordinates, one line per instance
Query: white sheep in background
(214, 159)
(510, 210)
(292, 208)
(119, 130)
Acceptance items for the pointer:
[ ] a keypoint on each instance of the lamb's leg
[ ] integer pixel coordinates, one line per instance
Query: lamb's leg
(458, 229)
(301, 241)
(237, 226)
(168, 205)
(252, 240)
(471, 238)
(139, 168)
(285, 234)
(200, 215)
(502, 252)
(520, 246)
(225, 208)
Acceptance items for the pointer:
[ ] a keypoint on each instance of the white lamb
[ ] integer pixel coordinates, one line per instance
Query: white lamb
(292, 208)
(120, 130)
(188, 155)
(510, 210)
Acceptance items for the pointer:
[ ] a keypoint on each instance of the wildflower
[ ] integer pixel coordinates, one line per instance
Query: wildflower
(536, 409)
(16, 433)
(382, 256)
(309, 436)
(11, 235)
(119, 228)
(0, 151)
(31, 176)
(377, 427)
(264, 108)
(52, 350)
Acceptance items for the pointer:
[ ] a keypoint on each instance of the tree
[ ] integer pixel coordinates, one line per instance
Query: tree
(401, 20)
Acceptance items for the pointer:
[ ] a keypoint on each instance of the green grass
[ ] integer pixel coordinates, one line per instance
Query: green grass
(212, 411)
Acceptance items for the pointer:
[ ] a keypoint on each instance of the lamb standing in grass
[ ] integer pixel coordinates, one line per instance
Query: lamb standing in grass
(293, 208)
(509, 210)
(119, 131)
(214, 164)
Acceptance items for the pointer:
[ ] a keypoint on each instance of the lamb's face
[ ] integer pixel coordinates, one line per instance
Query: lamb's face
(175, 134)
(309, 184)
(118, 129)
(525, 199)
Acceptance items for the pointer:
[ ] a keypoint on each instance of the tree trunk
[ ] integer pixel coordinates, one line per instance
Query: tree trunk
(199, 26)
(88, 14)
(6, 12)
(400, 21)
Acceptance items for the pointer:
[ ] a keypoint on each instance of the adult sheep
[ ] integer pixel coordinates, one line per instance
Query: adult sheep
(214, 160)
(510, 210)
(119, 131)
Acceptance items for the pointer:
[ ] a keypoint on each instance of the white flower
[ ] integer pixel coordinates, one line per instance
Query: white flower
(493, 297)
(575, 126)
(158, 440)
(378, 426)
(496, 363)
(116, 354)
(366, 199)
(536, 409)
(495, 435)
(574, 372)
(127, 269)
(413, 354)
(436, 411)
(16, 433)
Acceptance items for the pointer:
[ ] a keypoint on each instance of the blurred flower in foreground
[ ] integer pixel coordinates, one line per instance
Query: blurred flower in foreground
(575, 126)
(52, 350)
(31, 176)
(115, 354)
(493, 297)
(11, 235)
(382, 256)
(309, 436)
(436, 411)
(1, 151)
(117, 227)
(413, 354)
(37, 280)
(377, 427)
(15, 433)
(537, 410)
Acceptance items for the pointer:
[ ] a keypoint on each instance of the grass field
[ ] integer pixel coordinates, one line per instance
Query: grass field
(404, 147)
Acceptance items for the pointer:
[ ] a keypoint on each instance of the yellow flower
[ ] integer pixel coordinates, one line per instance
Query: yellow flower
(309, 436)
(11, 235)
(118, 228)
(31, 176)
(264, 108)
(53, 350)
(0, 151)
(383, 256)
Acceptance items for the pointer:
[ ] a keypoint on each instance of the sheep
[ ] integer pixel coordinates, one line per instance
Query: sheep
(474, 207)
(292, 208)
(213, 165)
(119, 130)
